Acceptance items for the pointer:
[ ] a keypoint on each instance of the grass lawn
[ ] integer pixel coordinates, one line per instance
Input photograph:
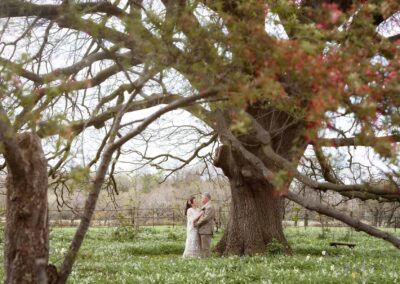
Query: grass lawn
(153, 255)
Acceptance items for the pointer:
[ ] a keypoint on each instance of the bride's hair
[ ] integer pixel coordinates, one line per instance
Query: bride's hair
(189, 203)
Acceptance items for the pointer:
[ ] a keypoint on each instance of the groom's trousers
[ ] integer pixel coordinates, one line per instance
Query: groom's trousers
(205, 243)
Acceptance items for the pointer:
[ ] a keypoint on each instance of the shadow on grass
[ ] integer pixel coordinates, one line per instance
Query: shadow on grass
(164, 248)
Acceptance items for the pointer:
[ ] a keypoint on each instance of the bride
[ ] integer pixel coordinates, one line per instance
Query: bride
(192, 246)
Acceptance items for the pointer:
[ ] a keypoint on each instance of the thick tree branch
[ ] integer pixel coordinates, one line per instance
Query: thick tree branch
(264, 137)
(53, 92)
(326, 169)
(356, 141)
(379, 190)
(179, 103)
(17, 69)
(11, 151)
(98, 121)
(69, 16)
(11, 8)
(223, 159)
(226, 134)
(328, 211)
(66, 71)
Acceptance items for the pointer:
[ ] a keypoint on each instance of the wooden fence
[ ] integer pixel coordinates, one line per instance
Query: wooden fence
(156, 216)
(131, 216)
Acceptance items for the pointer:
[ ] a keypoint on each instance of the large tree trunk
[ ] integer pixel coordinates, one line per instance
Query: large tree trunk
(257, 205)
(255, 220)
(26, 234)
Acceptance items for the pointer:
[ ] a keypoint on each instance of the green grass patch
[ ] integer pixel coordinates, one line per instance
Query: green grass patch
(153, 255)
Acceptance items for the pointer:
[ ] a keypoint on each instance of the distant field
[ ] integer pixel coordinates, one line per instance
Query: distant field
(153, 255)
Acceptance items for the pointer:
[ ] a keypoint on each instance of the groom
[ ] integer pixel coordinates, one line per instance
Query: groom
(205, 224)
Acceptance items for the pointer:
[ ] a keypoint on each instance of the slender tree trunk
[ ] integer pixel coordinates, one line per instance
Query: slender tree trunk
(26, 233)
(90, 205)
(255, 220)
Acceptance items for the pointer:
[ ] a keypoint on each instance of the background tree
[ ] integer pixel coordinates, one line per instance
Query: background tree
(274, 101)
(62, 103)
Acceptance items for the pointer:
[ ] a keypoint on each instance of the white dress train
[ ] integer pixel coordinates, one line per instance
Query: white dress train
(192, 246)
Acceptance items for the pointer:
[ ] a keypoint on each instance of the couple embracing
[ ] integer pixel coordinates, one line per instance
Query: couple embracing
(200, 227)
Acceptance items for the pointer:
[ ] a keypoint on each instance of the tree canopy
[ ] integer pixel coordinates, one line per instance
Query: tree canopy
(287, 88)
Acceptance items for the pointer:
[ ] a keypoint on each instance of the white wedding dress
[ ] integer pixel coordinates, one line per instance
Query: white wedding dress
(192, 246)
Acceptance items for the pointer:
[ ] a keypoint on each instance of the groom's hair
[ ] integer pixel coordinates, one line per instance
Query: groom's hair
(207, 194)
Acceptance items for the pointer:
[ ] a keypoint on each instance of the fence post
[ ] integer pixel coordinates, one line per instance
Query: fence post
(173, 218)
(305, 219)
(133, 216)
(153, 216)
(137, 220)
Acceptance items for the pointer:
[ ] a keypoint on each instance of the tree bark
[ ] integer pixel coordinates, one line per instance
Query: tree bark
(255, 219)
(257, 203)
(26, 233)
